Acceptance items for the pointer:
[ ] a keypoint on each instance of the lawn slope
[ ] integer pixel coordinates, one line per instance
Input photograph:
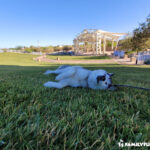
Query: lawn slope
(34, 117)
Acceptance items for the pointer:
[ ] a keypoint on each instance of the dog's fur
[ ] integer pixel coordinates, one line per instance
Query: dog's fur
(77, 76)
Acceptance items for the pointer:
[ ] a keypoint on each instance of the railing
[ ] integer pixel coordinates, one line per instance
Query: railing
(143, 56)
(119, 54)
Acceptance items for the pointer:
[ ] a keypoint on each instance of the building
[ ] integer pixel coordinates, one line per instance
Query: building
(94, 41)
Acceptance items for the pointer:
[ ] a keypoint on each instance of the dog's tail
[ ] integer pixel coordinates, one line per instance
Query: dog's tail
(64, 66)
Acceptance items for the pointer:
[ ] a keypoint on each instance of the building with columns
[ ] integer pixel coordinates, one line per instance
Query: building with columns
(97, 39)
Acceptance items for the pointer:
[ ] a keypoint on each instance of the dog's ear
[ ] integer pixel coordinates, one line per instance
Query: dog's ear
(111, 74)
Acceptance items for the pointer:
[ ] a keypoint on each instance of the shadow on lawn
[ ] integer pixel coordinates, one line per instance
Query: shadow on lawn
(108, 67)
(79, 57)
(96, 57)
(123, 74)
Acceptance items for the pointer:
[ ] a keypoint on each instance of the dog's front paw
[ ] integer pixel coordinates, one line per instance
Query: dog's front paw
(48, 84)
(112, 88)
(58, 78)
(47, 72)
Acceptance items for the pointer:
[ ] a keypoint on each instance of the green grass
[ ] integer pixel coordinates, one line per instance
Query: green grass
(78, 57)
(35, 117)
(19, 59)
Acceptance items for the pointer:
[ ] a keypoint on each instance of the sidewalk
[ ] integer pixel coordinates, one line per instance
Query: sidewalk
(125, 61)
(100, 61)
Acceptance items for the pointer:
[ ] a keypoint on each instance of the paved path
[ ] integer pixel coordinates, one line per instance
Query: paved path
(125, 61)
(99, 61)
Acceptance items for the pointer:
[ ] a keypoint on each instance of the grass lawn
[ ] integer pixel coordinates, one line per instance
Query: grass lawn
(35, 117)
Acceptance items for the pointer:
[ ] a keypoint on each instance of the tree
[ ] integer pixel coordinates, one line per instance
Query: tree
(57, 48)
(66, 48)
(126, 43)
(18, 47)
(141, 35)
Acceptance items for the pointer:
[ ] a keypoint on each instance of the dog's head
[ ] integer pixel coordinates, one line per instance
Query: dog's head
(100, 79)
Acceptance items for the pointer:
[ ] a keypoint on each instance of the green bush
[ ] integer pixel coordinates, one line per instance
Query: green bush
(147, 61)
(57, 48)
(66, 48)
(47, 49)
(18, 47)
(28, 50)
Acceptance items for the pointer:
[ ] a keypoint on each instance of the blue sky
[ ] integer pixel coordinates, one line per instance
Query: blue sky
(54, 22)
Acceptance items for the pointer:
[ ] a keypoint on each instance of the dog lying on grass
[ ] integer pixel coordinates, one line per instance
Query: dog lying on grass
(76, 76)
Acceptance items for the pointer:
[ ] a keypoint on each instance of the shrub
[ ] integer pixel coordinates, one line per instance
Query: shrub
(50, 48)
(28, 50)
(147, 61)
(57, 48)
(67, 48)
(18, 47)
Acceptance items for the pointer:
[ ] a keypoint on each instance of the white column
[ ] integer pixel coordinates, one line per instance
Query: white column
(74, 46)
(85, 48)
(77, 46)
(96, 43)
(104, 45)
(112, 45)
(100, 46)
(93, 47)
(116, 44)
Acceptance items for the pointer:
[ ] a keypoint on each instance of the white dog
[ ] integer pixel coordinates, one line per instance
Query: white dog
(77, 76)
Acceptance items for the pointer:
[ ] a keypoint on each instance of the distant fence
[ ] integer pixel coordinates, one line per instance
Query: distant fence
(119, 53)
(19, 51)
(36, 53)
(63, 53)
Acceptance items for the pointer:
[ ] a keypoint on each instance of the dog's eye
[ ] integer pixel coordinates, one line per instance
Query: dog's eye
(103, 78)
(100, 78)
